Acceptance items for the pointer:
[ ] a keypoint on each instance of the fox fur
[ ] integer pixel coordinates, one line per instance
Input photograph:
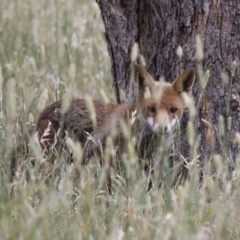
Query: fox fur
(158, 106)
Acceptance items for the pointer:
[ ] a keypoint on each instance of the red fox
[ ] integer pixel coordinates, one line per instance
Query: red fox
(158, 106)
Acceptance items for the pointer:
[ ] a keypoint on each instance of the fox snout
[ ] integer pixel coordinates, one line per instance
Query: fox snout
(161, 123)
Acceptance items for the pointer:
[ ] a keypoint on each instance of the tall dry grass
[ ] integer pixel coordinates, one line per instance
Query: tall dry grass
(51, 49)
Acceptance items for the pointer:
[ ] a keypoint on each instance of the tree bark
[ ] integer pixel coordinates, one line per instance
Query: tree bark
(160, 26)
(120, 20)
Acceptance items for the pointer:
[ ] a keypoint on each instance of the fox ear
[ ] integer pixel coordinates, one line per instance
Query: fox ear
(184, 82)
(145, 79)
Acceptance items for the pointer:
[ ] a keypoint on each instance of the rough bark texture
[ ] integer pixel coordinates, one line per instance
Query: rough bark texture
(120, 19)
(160, 26)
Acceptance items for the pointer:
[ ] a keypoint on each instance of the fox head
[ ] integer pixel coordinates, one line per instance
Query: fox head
(161, 103)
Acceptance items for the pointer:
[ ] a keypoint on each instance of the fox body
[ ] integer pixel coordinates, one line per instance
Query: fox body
(76, 122)
(158, 106)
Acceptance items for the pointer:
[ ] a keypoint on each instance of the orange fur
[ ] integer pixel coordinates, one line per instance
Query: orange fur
(157, 107)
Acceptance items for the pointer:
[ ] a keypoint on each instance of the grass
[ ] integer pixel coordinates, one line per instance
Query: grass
(51, 49)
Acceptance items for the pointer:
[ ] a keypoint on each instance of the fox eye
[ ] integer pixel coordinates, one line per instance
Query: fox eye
(152, 109)
(173, 110)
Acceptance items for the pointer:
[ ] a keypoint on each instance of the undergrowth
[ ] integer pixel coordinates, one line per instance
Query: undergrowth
(55, 49)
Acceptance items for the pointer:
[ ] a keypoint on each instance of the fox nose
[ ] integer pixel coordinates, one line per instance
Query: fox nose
(163, 129)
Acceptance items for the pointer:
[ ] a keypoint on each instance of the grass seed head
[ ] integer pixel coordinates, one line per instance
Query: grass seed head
(237, 136)
(199, 49)
(190, 104)
(42, 100)
(234, 66)
(135, 52)
(179, 52)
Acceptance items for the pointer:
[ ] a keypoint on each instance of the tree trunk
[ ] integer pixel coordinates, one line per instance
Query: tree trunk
(120, 20)
(160, 26)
